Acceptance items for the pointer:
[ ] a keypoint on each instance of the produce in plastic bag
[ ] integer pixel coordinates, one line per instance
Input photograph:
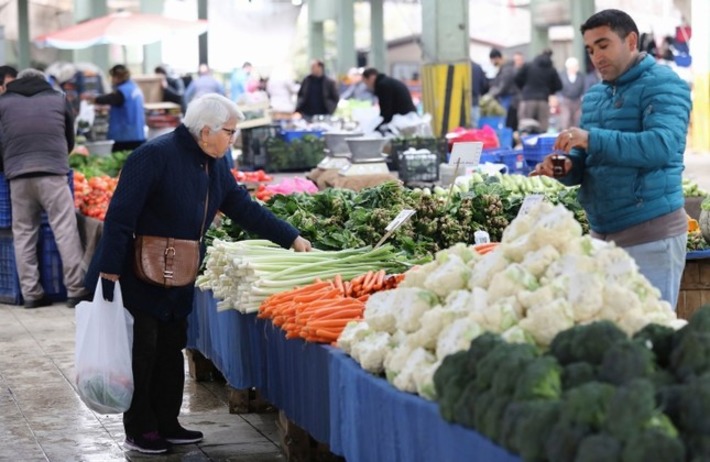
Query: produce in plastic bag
(104, 338)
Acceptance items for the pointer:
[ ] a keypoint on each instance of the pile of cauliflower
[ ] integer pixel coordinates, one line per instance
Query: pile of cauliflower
(544, 278)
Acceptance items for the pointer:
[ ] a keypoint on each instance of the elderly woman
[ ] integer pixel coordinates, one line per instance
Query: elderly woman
(172, 187)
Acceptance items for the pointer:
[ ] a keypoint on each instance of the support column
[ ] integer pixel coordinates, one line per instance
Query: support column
(347, 56)
(378, 48)
(153, 53)
(580, 11)
(316, 38)
(700, 51)
(203, 48)
(446, 79)
(97, 54)
(23, 37)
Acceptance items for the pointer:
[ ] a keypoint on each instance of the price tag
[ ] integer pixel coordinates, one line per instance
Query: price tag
(481, 237)
(530, 202)
(400, 219)
(466, 153)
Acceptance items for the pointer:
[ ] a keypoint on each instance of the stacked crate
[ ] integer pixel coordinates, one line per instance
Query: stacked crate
(50, 263)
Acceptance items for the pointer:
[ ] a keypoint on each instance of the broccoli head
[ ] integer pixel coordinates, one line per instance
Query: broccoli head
(541, 379)
(653, 445)
(625, 361)
(462, 412)
(564, 440)
(509, 368)
(512, 417)
(480, 347)
(691, 356)
(599, 447)
(533, 428)
(491, 364)
(698, 447)
(587, 404)
(700, 321)
(492, 421)
(450, 380)
(694, 406)
(576, 374)
(660, 339)
(669, 400)
(630, 409)
(586, 342)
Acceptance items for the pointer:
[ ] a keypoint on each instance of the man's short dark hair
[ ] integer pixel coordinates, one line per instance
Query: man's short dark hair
(495, 53)
(160, 70)
(618, 21)
(369, 72)
(120, 71)
(7, 71)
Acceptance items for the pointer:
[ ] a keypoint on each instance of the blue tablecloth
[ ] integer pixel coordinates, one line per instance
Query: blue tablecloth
(361, 417)
(697, 255)
(371, 420)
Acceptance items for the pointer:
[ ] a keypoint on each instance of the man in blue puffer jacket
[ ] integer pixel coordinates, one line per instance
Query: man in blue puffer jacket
(628, 154)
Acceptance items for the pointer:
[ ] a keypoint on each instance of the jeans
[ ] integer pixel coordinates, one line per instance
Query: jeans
(662, 262)
(475, 115)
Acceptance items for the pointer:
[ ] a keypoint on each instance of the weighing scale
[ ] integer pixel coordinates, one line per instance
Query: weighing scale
(337, 152)
(366, 157)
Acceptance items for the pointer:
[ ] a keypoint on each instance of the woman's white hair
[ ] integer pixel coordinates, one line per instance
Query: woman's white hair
(211, 111)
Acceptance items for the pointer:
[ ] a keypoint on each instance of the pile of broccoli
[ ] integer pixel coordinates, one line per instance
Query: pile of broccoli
(595, 395)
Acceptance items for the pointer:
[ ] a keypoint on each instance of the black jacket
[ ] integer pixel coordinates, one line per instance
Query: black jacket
(538, 79)
(572, 91)
(330, 96)
(393, 97)
(479, 83)
(38, 129)
(161, 192)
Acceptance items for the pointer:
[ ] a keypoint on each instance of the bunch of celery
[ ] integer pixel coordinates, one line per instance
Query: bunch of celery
(242, 274)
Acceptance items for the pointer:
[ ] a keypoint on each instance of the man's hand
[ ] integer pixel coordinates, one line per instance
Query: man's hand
(301, 245)
(572, 138)
(89, 98)
(546, 167)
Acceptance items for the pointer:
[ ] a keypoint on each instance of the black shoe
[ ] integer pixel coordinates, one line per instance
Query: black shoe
(183, 436)
(147, 443)
(72, 302)
(44, 301)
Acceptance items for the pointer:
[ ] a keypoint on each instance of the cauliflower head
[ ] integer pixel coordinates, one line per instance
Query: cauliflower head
(370, 351)
(417, 360)
(490, 264)
(410, 304)
(354, 331)
(509, 282)
(457, 336)
(424, 380)
(432, 323)
(453, 274)
(536, 262)
(544, 322)
(395, 360)
(416, 276)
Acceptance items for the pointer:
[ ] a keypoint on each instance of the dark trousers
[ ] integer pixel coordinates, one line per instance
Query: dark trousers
(125, 145)
(158, 375)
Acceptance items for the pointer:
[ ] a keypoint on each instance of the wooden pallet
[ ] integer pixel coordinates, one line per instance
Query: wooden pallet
(247, 400)
(694, 288)
(298, 446)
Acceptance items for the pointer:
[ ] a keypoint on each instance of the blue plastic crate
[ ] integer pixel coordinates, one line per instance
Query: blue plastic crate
(514, 160)
(495, 122)
(291, 135)
(505, 137)
(537, 147)
(10, 292)
(51, 274)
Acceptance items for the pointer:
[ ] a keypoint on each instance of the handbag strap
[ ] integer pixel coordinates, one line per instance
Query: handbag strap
(207, 200)
(169, 256)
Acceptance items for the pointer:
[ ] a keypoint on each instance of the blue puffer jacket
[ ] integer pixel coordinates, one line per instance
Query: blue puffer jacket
(632, 169)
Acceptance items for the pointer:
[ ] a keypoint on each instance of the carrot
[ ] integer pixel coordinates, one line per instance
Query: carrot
(328, 335)
(292, 334)
(328, 323)
(338, 282)
(317, 295)
(363, 298)
(380, 279)
(343, 314)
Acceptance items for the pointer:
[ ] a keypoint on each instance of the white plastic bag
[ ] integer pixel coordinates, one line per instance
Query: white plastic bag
(104, 338)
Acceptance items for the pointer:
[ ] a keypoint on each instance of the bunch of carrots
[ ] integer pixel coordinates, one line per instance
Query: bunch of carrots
(485, 248)
(320, 311)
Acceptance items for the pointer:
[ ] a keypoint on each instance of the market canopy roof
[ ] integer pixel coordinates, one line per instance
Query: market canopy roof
(123, 28)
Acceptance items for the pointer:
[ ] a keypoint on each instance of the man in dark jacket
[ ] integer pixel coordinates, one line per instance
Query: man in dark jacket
(393, 95)
(479, 87)
(318, 93)
(503, 87)
(571, 94)
(537, 80)
(38, 134)
(7, 75)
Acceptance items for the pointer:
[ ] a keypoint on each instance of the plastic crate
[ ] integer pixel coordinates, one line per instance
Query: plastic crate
(514, 160)
(536, 147)
(495, 122)
(439, 146)
(253, 144)
(51, 273)
(291, 135)
(419, 167)
(505, 137)
(10, 292)
(6, 203)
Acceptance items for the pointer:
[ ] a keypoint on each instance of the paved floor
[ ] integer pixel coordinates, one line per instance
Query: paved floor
(42, 418)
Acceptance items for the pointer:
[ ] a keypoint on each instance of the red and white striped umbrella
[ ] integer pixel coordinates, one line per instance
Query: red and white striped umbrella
(123, 28)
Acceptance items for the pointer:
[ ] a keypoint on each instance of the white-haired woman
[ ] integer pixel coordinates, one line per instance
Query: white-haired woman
(573, 87)
(172, 187)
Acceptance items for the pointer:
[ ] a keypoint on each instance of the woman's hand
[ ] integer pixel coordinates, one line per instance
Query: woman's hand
(301, 245)
(110, 277)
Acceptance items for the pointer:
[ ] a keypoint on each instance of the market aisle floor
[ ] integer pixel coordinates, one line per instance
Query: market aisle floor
(42, 418)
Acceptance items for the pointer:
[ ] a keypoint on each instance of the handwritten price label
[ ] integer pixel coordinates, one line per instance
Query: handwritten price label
(530, 202)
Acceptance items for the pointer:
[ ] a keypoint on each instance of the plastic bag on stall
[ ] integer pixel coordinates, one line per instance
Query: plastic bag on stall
(104, 339)
(85, 119)
(411, 124)
(486, 135)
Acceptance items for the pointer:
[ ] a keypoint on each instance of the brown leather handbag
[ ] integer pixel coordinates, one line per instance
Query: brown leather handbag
(166, 261)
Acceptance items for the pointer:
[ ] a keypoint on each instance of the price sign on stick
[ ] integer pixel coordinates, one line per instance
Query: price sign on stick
(481, 237)
(466, 153)
(398, 221)
(530, 202)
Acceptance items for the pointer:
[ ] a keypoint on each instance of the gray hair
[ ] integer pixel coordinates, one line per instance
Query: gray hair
(31, 73)
(211, 111)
